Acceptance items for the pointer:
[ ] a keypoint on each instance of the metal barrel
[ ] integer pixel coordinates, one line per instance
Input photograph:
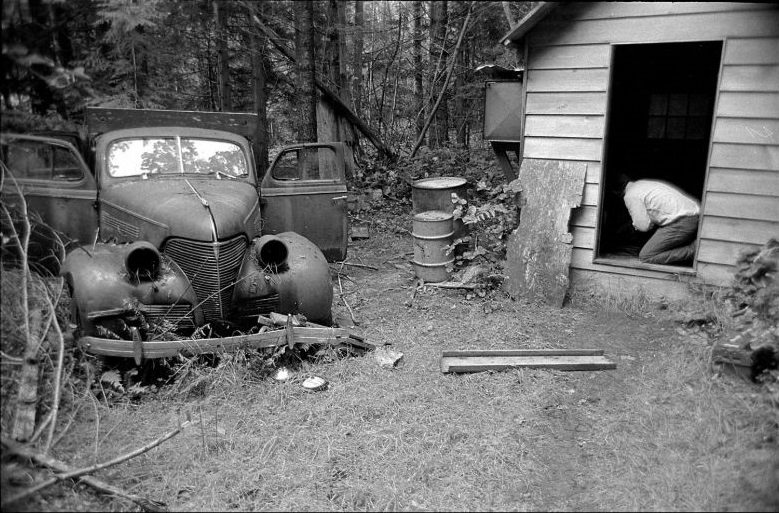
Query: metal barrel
(432, 232)
(436, 194)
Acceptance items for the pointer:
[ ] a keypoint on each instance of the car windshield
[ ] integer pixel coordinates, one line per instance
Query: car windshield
(176, 155)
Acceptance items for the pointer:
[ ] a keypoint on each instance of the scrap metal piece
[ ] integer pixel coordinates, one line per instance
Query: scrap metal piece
(560, 359)
(315, 384)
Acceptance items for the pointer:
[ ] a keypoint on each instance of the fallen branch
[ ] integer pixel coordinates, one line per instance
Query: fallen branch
(451, 285)
(72, 474)
(339, 105)
(351, 313)
(44, 460)
(358, 265)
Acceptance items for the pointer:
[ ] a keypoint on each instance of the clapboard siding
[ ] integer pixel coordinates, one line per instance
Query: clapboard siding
(761, 208)
(747, 131)
(570, 57)
(585, 127)
(722, 252)
(715, 274)
(566, 103)
(627, 286)
(658, 28)
(750, 77)
(591, 194)
(611, 10)
(745, 156)
(585, 216)
(738, 230)
(562, 148)
(583, 237)
(747, 104)
(752, 51)
(744, 181)
(568, 80)
(593, 172)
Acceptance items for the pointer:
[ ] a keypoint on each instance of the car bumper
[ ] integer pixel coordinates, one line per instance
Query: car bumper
(149, 349)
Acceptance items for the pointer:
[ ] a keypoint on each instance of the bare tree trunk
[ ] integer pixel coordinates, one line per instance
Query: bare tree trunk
(343, 86)
(222, 57)
(418, 71)
(305, 50)
(342, 109)
(507, 12)
(333, 56)
(446, 81)
(389, 65)
(359, 27)
(459, 94)
(261, 141)
(438, 23)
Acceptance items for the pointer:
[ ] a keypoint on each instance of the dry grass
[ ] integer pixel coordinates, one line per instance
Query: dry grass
(661, 432)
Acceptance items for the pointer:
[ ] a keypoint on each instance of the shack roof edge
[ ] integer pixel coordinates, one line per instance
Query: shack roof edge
(528, 22)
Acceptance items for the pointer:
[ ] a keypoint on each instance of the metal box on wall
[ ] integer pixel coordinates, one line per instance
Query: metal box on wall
(503, 110)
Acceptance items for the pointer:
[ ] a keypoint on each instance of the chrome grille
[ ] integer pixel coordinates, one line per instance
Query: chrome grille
(211, 268)
(251, 308)
(178, 315)
(120, 227)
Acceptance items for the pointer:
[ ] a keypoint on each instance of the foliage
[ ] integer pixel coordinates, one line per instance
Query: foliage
(490, 211)
(754, 297)
(63, 56)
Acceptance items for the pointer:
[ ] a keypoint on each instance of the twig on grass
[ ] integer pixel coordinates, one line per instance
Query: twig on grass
(448, 285)
(54, 464)
(358, 265)
(77, 473)
(351, 313)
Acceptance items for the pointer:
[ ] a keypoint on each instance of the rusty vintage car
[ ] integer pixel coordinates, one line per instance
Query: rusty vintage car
(176, 232)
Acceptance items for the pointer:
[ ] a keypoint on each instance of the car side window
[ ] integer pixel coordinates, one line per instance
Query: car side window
(66, 165)
(306, 164)
(39, 160)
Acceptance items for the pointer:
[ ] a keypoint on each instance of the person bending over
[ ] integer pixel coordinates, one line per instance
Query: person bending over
(674, 214)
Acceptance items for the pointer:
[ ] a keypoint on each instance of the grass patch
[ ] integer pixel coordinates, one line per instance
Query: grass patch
(661, 432)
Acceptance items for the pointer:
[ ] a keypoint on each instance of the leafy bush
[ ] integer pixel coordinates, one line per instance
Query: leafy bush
(490, 210)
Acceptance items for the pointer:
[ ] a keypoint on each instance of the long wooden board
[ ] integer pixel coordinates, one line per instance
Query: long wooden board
(560, 359)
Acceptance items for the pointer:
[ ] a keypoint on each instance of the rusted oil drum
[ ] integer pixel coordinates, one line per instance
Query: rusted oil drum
(432, 231)
(436, 194)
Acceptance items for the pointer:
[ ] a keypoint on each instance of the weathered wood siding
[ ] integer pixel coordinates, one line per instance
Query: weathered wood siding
(568, 71)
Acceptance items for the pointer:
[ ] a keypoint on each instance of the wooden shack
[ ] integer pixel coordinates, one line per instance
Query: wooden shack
(687, 92)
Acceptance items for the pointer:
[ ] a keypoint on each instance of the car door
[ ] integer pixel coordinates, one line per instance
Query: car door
(55, 181)
(304, 191)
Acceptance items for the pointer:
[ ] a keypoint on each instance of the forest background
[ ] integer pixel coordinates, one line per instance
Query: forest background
(388, 61)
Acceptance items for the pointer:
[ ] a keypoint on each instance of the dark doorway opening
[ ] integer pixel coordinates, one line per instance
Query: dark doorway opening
(659, 127)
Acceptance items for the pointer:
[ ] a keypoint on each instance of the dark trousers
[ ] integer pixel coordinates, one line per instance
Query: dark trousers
(673, 243)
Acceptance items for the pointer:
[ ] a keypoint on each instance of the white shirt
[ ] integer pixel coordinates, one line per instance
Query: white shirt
(656, 203)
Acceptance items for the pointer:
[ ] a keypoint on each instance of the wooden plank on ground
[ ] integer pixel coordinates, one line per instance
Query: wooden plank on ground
(560, 359)
(539, 251)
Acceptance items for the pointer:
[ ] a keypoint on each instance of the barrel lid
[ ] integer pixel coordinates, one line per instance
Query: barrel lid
(433, 215)
(440, 182)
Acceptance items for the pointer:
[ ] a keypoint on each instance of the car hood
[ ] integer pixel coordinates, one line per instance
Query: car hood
(191, 208)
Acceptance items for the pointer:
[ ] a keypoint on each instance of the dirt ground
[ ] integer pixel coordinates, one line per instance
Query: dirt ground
(664, 431)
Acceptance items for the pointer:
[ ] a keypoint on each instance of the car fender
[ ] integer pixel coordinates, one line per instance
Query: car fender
(101, 284)
(301, 276)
